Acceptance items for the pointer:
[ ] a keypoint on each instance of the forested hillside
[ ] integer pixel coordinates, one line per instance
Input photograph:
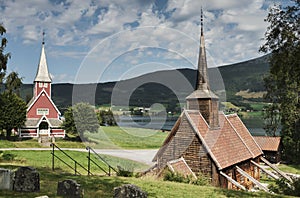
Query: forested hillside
(241, 76)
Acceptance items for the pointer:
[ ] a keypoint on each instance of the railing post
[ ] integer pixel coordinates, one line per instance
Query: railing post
(89, 161)
(52, 156)
(75, 167)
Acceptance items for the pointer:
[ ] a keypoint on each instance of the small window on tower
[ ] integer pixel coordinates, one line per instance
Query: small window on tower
(40, 84)
(45, 85)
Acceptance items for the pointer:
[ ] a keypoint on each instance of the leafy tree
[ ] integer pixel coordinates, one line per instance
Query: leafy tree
(106, 117)
(80, 118)
(282, 83)
(13, 83)
(13, 112)
(3, 56)
(12, 107)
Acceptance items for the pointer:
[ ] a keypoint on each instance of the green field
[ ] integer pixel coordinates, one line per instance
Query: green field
(127, 138)
(106, 137)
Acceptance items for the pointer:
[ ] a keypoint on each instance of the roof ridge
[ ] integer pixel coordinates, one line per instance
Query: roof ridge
(250, 134)
(239, 136)
(202, 139)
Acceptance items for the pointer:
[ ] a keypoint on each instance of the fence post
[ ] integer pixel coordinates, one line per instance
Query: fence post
(89, 161)
(75, 168)
(52, 156)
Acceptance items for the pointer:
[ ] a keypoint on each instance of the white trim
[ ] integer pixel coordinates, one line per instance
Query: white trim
(43, 91)
(41, 120)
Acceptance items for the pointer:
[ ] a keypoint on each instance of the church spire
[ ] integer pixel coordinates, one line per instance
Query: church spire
(42, 74)
(202, 76)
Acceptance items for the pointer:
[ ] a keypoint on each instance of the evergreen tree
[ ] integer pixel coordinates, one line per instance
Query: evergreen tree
(283, 82)
(13, 112)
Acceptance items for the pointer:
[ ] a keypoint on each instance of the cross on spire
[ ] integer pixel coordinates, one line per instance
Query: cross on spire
(201, 22)
(202, 77)
(43, 38)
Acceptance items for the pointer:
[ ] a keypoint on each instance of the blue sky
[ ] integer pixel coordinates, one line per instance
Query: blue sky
(108, 40)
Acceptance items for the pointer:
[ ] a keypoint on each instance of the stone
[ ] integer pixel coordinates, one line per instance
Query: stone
(129, 191)
(26, 179)
(69, 188)
(6, 179)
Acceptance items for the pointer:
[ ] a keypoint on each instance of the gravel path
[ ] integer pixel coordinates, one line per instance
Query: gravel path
(144, 156)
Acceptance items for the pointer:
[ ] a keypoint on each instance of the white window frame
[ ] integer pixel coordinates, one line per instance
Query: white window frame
(42, 111)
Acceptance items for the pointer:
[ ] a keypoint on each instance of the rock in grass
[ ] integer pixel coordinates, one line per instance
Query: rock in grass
(129, 191)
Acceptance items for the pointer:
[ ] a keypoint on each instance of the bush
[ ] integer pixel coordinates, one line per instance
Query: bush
(125, 172)
(283, 186)
(177, 177)
(7, 156)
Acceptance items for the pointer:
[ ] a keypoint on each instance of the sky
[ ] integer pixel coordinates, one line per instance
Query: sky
(108, 40)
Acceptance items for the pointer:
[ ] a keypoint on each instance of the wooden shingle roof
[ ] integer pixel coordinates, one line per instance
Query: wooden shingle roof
(228, 145)
(268, 143)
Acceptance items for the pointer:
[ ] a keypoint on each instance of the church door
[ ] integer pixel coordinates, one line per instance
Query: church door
(43, 128)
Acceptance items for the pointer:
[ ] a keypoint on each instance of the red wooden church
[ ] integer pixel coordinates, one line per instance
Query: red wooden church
(207, 142)
(43, 117)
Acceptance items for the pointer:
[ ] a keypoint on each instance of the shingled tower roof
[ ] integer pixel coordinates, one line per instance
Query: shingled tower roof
(202, 86)
(42, 74)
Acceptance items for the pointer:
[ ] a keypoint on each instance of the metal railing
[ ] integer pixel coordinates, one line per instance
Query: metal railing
(70, 166)
(110, 168)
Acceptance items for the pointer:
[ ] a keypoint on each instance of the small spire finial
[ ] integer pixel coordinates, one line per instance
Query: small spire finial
(43, 38)
(201, 22)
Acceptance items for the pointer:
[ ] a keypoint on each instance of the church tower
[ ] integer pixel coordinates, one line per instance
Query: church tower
(203, 99)
(42, 79)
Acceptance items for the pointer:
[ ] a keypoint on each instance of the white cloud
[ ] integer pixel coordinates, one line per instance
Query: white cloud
(233, 29)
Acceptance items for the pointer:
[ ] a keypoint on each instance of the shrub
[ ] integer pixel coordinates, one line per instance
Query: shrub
(125, 172)
(177, 177)
(7, 156)
(283, 186)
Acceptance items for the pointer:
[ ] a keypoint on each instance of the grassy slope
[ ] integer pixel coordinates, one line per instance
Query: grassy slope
(44, 159)
(96, 186)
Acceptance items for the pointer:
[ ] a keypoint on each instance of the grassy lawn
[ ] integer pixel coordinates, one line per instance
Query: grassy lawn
(43, 159)
(102, 186)
(99, 186)
(107, 137)
(127, 138)
(295, 169)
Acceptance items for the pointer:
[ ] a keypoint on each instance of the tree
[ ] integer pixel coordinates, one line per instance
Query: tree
(3, 56)
(283, 81)
(13, 83)
(106, 117)
(80, 118)
(13, 112)
(12, 107)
